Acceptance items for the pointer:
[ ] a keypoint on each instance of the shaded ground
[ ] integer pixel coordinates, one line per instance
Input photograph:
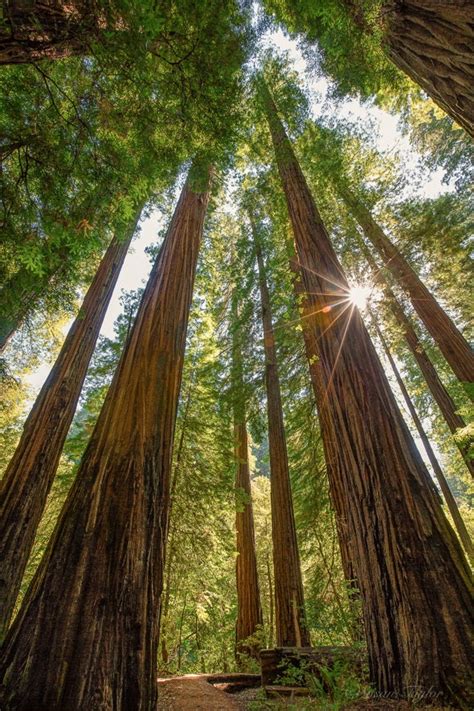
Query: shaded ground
(193, 692)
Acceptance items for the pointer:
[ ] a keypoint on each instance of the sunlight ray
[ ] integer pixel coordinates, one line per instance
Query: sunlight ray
(339, 350)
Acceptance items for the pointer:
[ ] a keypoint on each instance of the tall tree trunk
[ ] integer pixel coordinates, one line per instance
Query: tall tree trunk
(32, 30)
(438, 472)
(249, 609)
(290, 622)
(86, 636)
(335, 485)
(414, 580)
(441, 396)
(311, 344)
(432, 42)
(449, 340)
(30, 474)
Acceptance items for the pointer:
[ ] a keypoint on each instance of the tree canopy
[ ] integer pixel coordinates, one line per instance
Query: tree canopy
(314, 148)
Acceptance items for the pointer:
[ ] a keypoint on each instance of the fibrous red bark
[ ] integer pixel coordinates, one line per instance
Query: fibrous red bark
(415, 583)
(310, 344)
(30, 474)
(431, 41)
(86, 636)
(48, 29)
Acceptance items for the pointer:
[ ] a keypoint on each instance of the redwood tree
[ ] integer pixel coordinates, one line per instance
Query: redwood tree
(291, 628)
(415, 583)
(30, 474)
(448, 338)
(432, 41)
(310, 345)
(95, 598)
(249, 610)
(359, 43)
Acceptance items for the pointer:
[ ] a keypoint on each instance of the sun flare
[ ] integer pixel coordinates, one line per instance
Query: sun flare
(358, 296)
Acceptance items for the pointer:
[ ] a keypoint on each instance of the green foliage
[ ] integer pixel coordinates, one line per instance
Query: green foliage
(246, 663)
(84, 140)
(440, 141)
(335, 687)
(330, 688)
(349, 45)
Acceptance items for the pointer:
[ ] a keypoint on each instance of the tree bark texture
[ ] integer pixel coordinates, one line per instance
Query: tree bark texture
(30, 473)
(438, 472)
(435, 385)
(447, 337)
(311, 343)
(414, 580)
(249, 610)
(32, 30)
(86, 636)
(432, 41)
(290, 622)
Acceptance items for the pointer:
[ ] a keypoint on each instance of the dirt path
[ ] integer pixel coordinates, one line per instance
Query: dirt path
(193, 693)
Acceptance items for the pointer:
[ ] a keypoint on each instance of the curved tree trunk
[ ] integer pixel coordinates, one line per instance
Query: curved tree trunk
(32, 30)
(441, 396)
(438, 472)
(415, 583)
(30, 474)
(86, 636)
(249, 610)
(291, 627)
(432, 41)
(448, 338)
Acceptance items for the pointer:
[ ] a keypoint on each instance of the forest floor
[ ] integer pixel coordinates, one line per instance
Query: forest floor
(193, 692)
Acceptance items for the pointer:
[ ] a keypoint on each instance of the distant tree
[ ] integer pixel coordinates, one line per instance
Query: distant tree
(249, 609)
(439, 392)
(435, 465)
(290, 623)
